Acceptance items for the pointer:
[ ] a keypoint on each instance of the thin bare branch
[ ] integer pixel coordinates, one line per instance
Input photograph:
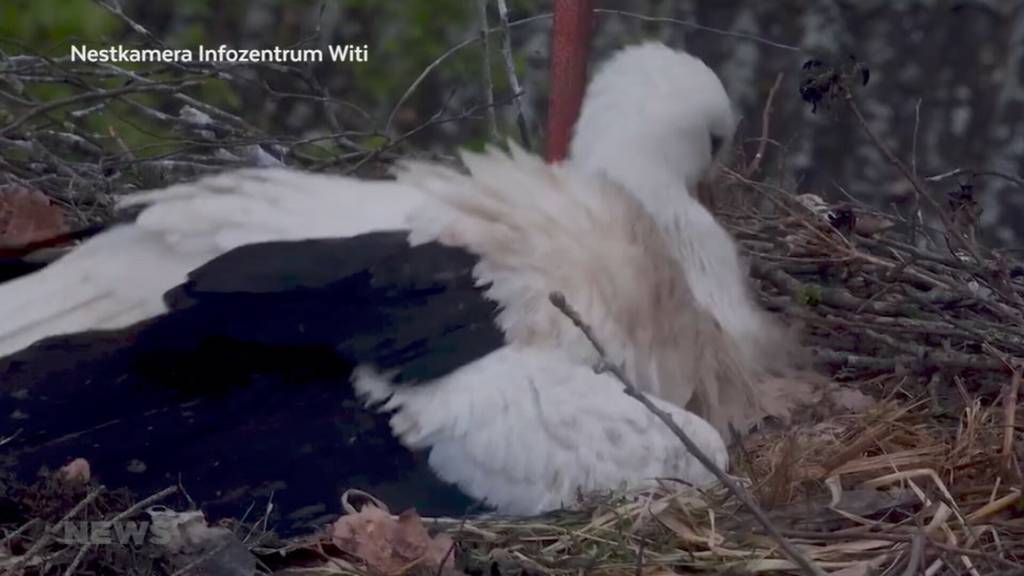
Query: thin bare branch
(513, 78)
(488, 81)
(794, 554)
(766, 118)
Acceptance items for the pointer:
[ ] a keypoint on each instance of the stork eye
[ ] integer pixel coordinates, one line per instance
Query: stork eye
(716, 145)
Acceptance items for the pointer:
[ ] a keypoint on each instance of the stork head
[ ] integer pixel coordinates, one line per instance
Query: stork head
(653, 119)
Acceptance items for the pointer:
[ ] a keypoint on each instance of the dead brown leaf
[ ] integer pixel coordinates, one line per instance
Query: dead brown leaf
(27, 215)
(391, 546)
(78, 470)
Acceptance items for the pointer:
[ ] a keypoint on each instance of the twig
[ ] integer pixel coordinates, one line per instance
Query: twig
(1009, 419)
(446, 55)
(138, 506)
(913, 144)
(18, 532)
(513, 78)
(972, 172)
(547, 16)
(916, 551)
(559, 301)
(202, 558)
(695, 26)
(51, 531)
(79, 556)
(914, 181)
(90, 96)
(766, 118)
(915, 210)
(485, 50)
(84, 549)
(115, 9)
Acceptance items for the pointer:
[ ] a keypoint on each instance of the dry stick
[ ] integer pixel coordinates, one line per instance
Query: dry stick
(95, 95)
(52, 530)
(559, 301)
(77, 559)
(18, 532)
(916, 552)
(485, 49)
(115, 9)
(913, 145)
(766, 118)
(915, 213)
(513, 79)
(121, 516)
(867, 532)
(444, 56)
(1009, 419)
(729, 33)
(971, 172)
(547, 16)
(915, 182)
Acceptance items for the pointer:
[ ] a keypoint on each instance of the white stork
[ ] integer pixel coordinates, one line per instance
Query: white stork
(658, 151)
(433, 288)
(662, 148)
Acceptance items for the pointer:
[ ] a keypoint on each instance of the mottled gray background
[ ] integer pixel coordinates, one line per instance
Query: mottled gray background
(948, 70)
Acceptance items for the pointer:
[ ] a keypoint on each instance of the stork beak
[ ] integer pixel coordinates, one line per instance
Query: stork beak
(570, 51)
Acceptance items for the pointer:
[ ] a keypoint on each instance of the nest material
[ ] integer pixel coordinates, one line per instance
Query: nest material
(927, 481)
(890, 491)
(873, 303)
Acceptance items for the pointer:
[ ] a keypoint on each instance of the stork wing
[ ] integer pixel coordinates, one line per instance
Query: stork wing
(527, 431)
(541, 228)
(244, 382)
(415, 311)
(119, 277)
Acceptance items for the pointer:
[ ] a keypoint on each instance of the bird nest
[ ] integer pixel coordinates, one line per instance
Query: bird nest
(893, 490)
(926, 480)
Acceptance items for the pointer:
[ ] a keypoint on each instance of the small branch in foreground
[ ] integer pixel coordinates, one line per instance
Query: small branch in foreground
(766, 118)
(915, 212)
(513, 79)
(972, 173)
(915, 182)
(485, 50)
(444, 56)
(1010, 420)
(559, 301)
(51, 531)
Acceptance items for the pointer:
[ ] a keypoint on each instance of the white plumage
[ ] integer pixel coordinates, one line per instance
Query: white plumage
(667, 109)
(529, 425)
(119, 277)
(541, 432)
(615, 229)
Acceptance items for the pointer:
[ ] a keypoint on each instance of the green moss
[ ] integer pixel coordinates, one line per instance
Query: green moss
(810, 295)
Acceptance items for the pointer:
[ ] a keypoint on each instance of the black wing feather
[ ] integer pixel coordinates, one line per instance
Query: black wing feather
(244, 382)
(417, 311)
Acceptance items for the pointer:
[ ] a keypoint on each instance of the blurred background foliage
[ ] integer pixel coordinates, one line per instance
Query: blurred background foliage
(403, 38)
(946, 90)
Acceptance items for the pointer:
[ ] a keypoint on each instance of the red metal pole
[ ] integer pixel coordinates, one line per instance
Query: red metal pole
(570, 49)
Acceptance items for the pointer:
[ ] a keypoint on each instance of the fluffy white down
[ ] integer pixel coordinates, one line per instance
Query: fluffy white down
(119, 277)
(527, 431)
(539, 229)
